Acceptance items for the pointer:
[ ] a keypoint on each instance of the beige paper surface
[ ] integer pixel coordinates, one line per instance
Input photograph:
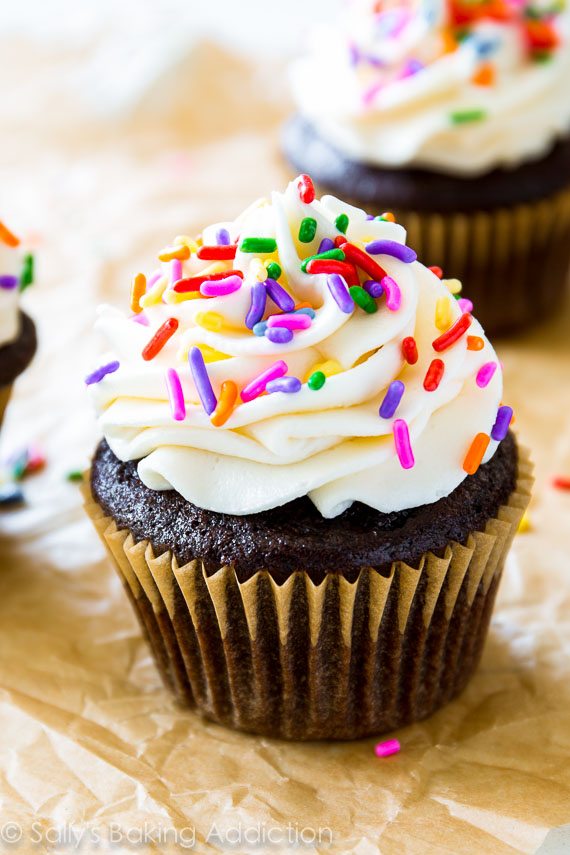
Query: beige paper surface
(90, 740)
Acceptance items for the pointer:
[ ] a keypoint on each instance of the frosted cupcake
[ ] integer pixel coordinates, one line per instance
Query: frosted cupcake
(307, 481)
(17, 330)
(454, 116)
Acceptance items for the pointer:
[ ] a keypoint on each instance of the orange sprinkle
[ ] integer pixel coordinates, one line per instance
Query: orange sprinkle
(225, 405)
(449, 41)
(388, 216)
(138, 288)
(475, 342)
(476, 453)
(182, 253)
(7, 236)
(302, 306)
(485, 76)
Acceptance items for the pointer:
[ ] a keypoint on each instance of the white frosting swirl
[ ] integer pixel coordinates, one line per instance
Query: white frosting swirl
(329, 444)
(10, 266)
(383, 86)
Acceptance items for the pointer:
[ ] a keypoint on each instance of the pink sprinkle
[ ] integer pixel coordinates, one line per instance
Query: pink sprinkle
(289, 321)
(176, 395)
(140, 319)
(485, 374)
(220, 287)
(402, 443)
(257, 386)
(370, 94)
(175, 270)
(465, 305)
(153, 279)
(385, 749)
(393, 293)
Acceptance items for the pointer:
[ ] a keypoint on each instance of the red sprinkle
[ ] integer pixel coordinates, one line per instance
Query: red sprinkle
(453, 334)
(160, 338)
(437, 270)
(561, 482)
(331, 266)
(410, 350)
(434, 375)
(192, 283)
(218, 253)
(306, 189)
(363, 260)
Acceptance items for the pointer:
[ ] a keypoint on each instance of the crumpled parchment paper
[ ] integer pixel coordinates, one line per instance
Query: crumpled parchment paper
(94, 753)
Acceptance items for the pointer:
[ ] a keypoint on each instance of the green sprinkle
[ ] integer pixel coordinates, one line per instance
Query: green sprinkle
(337, 254)
(363, 299)
(273, 270)
(75, 476)
(307, 229)
(19, 469)
(463, 117)
(341, 223)
(257, 244)
(542, 56)
(27, 275)
(316, 381)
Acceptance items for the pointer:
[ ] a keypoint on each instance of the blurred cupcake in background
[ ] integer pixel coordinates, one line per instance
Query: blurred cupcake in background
(456, 117)
(17, 330)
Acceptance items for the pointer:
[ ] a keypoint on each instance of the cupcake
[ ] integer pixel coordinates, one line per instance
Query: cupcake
(455, 117)
(306, 481)
(17, 330)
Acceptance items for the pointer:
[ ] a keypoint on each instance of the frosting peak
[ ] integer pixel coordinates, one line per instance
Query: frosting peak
(454, 85)
(299, 350)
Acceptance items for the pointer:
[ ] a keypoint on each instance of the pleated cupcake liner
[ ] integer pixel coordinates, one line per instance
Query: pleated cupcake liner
(337, 660)
(513, 261)
(5, 393)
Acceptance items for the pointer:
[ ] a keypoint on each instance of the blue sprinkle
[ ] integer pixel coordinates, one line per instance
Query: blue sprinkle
(259, 329)
(306, 311)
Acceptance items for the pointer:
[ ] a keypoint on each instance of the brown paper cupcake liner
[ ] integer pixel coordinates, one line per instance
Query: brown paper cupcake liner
(337, 660)
(514, 261)
(5, 393)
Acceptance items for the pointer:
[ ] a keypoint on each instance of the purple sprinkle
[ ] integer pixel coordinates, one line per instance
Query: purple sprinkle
(284, 384)
(8, 283)
(501, 426)
(97, 375)
(375, 289)
(353, 54)
(370, 217)
(259, 329)
(223, 237)
(392, 399)
(413, 66)
(279, 295)
(257, 305)
(153, 279)
(141, 319)
(202, 380)
(465, 305)
(339, 290)
(326, 245)
(279, 335)
(392, 247)
(175, 270)
(220, 287)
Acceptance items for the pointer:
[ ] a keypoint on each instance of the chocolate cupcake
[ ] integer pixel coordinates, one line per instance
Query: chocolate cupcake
(307, 481)
(17, 331)
(455, 117)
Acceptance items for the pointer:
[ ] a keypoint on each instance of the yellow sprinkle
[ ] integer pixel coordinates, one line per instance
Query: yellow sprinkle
(210, 354)
(154, 296)
(174, 297)
(525, 524)
(329, 368)
(443, 316)
(454, 286)
(185, 240)
(209, 321)
(258, 270)
(180, 252)
(216, 267)
(138, 289)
